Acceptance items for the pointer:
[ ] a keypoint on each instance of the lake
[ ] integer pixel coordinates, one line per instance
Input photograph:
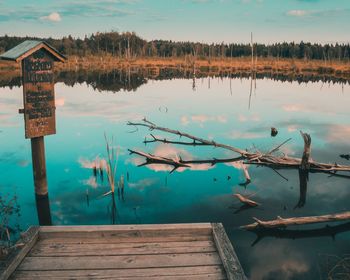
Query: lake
(235, 111)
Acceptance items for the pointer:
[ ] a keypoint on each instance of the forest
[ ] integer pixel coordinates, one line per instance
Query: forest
(128, 45)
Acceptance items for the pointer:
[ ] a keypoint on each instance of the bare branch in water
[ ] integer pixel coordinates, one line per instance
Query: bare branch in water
(261, 159)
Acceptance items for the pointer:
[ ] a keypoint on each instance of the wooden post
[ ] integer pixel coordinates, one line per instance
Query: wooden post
(37, 59)
(39, 165)
(43, 209)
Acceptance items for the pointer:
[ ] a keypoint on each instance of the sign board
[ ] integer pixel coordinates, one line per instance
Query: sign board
(38, 94)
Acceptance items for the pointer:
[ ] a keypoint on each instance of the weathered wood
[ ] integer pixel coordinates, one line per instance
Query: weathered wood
(39, 166)
(175, 251)
(215, 276)
(246, 174)
(55, 54)
(246, 200)
(147, 227)
(114, 262)
(281, 222)
(29, 239)
(129, 231)
(38, 94)
(52, 250)
(305, 165)
(187, 272)
(258, 158)
(227, 254)
(104, 240)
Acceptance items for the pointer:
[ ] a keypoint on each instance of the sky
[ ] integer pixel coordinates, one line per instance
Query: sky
(324, 21)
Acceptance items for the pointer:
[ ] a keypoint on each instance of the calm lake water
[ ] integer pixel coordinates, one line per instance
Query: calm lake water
(212, 108)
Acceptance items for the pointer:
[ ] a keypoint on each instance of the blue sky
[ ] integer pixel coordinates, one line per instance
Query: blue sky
(195, 20)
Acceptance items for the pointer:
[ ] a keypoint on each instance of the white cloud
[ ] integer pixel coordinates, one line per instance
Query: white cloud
(297, 13)
(54, 17)
(245, 135)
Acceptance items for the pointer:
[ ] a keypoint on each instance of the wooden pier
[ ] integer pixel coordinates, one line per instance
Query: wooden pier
(168, 251)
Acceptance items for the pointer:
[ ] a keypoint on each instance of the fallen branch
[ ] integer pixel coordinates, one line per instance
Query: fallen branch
(258, 158)
(152, 126)
(246, 200)
(282, 223)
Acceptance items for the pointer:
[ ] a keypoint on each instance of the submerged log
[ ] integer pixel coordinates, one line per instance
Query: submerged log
(246, 200)
(282, 223)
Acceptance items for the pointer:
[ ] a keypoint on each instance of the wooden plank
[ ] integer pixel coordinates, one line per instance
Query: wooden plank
(114, 262)
(212, 276)
(125, 227)
(50, 250)
(124, 233)
(227, 254)
(125, 230)
(110, 240)
(29, 238)
(137, 273)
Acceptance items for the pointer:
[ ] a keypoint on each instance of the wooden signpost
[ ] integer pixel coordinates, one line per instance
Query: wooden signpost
(37, 60)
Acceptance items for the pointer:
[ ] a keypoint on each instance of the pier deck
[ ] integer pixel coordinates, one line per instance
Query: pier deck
(166, 251)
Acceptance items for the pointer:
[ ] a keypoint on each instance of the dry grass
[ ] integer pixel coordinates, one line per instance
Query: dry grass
(243, 64)
(216, 66)
(111, 164)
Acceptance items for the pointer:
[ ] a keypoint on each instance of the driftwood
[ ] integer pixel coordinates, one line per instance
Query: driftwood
(282, 223)
(258, 158)
(307, 151)
(246, 200)
(327, 230)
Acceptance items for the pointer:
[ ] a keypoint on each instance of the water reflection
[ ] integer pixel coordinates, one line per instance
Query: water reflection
(152, 195)
(43, 209)
(132, 78)
(326, 231)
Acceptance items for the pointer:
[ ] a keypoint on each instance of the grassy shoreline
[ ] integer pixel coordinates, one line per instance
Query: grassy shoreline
(216, 66)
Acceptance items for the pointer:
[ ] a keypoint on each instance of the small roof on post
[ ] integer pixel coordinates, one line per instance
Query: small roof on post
(29, 47)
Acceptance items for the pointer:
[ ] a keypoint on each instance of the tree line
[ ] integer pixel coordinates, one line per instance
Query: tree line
(128, 45)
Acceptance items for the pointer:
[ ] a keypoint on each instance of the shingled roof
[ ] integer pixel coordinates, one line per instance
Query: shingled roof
(28, 47)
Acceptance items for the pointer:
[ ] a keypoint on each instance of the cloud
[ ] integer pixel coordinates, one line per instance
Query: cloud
(91, 182)
(184, 120)
(144, 183)
(88, 8)
(297, 13)
(95, 8)
(59, 102)
(202, 118)
(243, 118)
(23, 163)
(172, 152)
(54, 17)
(293, 108)
(245, 135)
(90, 164)
(338, 134)
(318, 13)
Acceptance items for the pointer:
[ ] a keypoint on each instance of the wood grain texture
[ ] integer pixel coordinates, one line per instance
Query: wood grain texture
(117, 249)
(119, 262)
(189, 272)
(175, 251)
(227, 254)
(29, 238)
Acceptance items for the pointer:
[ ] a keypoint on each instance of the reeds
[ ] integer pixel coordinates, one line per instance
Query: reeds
(111, 163)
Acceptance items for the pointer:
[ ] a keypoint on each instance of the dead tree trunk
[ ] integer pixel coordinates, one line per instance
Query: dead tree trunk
(282, 223)
(258, 158)
(305, 165)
